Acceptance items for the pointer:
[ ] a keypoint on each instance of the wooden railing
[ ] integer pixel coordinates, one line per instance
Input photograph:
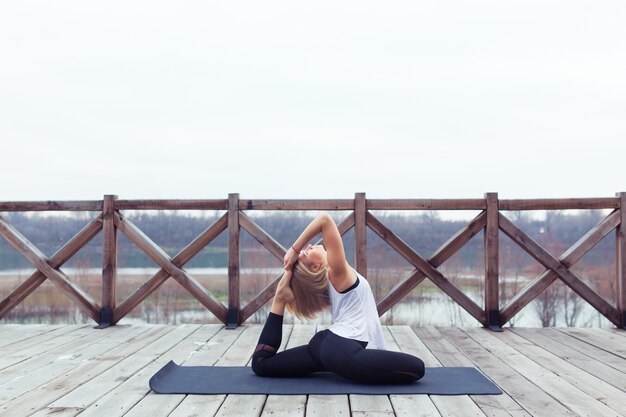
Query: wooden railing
(110, 220)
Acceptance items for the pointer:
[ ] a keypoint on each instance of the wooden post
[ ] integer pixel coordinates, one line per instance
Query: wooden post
(621, 260)
(360, 233)
(492, 307)
(233, 262)
(109, 262)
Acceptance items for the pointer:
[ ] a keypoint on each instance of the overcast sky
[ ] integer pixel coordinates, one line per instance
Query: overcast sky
(320, 99)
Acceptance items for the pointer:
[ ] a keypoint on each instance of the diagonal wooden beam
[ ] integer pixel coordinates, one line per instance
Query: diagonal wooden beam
(400, 290)
(590, 239)
(42, 263)
(257, 302)
(56, 261)
(162, 275)
(268, 292)
(261, 236)
(445, 252)
(568, 277)
(269, 243)
(568, 258)
(426, 268)
(158, 255)
(346, 224)
(459, 239)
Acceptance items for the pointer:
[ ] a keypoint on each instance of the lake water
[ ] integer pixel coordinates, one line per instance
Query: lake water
(433, 308)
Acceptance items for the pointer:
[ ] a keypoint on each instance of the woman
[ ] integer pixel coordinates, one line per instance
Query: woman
(317, 277)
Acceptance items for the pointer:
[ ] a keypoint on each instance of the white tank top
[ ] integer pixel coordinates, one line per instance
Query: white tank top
(354, 314)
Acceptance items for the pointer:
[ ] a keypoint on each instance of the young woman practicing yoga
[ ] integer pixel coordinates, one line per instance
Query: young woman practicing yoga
(317, 277)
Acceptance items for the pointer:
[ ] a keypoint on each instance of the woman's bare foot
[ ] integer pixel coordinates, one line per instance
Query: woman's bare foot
(283, 294)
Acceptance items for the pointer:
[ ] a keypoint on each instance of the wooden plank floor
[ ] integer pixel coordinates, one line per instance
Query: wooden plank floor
(76, 370)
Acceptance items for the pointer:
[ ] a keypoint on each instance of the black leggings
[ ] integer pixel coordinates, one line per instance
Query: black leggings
(328, 352)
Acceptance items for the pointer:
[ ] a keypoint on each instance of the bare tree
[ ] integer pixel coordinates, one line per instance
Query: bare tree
(546, 306)
(572, 306)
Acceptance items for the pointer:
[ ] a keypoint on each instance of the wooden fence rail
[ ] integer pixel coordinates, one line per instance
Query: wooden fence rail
(111, 220)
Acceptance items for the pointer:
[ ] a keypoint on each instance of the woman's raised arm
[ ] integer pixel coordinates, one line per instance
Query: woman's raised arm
(333, 244)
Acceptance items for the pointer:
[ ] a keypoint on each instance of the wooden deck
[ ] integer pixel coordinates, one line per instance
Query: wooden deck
(67, 370)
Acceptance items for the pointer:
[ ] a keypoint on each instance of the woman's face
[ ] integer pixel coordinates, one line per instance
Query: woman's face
(313, 256)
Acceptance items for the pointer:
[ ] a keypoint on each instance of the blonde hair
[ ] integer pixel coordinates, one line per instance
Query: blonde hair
(310, 291)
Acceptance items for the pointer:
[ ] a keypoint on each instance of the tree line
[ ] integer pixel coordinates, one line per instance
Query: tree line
(425, 232)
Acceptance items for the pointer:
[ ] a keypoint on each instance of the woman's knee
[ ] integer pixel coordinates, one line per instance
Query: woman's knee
(411, 368)
(417, 368)
(421, 367)
(380, 366)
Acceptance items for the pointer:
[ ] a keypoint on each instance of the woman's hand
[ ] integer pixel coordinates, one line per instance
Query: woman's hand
(291, 257)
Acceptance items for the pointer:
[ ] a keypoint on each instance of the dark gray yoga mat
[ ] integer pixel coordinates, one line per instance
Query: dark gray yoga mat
(175, 379)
